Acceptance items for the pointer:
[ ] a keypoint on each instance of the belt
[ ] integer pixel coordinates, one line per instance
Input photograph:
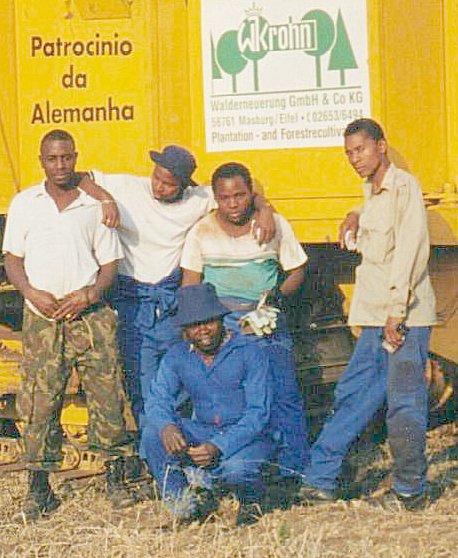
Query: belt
(244, 306)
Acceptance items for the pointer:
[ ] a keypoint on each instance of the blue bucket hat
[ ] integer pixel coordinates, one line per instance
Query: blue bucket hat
(198, 303)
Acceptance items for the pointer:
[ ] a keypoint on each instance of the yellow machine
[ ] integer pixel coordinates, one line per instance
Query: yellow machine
(267, 83)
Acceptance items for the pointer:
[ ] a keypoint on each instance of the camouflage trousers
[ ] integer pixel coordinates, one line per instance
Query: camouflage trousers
(51, 350)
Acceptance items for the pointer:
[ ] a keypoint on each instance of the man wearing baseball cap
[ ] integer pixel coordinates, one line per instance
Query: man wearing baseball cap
(155, 215)
(178, 161)
(227, 439)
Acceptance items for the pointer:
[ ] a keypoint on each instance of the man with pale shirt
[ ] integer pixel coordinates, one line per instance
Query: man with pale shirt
(394, 305)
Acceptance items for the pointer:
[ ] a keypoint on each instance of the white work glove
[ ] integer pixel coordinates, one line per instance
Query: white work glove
(261, 321)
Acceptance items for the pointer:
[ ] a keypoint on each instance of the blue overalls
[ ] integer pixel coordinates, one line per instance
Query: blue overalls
(146, 331)
(288, 421)
(231, 409)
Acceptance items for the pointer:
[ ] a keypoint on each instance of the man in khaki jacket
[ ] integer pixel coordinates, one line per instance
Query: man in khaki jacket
(394, 305)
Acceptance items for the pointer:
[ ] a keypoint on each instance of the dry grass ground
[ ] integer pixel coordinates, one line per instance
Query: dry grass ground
(86, 527)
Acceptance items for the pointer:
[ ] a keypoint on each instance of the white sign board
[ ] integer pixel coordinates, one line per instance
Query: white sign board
(283, 73)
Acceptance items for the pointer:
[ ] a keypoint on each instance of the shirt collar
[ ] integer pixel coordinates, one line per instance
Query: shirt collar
(387, 180)
(83, 198)
(41, 190)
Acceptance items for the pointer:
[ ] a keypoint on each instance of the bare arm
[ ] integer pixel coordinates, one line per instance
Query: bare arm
(45, 302)
(75, 302)
(293, 281)
(190, 277)
(109, 208)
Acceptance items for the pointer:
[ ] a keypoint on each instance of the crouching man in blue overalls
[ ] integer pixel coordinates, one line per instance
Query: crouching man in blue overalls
(227, 439)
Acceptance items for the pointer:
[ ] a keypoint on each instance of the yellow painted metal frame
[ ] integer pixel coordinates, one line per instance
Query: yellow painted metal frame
(414, 90)
(9, 144)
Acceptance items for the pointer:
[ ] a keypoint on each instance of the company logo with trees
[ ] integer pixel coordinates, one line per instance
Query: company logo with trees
(316, 34)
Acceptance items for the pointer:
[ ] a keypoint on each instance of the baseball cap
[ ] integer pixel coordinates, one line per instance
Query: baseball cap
(178, 160)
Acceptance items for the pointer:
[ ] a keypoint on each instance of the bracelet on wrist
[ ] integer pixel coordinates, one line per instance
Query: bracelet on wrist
(107, 201)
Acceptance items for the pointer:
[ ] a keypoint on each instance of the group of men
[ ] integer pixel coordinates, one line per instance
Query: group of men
(220, 339)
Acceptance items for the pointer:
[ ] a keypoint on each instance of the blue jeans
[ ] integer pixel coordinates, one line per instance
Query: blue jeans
(145, 333)
(288, 423)
(240, 472)
(372, 376)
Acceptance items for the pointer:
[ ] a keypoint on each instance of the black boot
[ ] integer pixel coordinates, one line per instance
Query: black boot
(117, 492)
(138, 478)
(40, 500)
(134, 469)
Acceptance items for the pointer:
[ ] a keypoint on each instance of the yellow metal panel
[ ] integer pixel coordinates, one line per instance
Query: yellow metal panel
(8, 106)
(443, 339)
(318, 230)
(103, 9)
(73, 413)
(10, 377)
(414, 112)
(317, 207)
(443, 224)
(412, 58)
(316, 219)
(172, 76)
(91, 77)
(10, 360)
(451, 84)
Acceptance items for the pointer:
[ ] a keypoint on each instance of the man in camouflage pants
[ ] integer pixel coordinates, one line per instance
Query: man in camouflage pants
(61, 257)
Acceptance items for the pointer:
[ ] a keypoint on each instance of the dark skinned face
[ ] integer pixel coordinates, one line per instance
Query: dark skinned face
(58, 159)
(206, 336)
(234, 199)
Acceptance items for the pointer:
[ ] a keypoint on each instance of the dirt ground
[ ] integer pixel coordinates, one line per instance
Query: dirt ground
(85, 525)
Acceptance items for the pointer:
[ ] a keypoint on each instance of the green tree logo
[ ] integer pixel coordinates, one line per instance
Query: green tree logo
(315, 34)
(229, 57)
(324, 38)
(342, 57)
